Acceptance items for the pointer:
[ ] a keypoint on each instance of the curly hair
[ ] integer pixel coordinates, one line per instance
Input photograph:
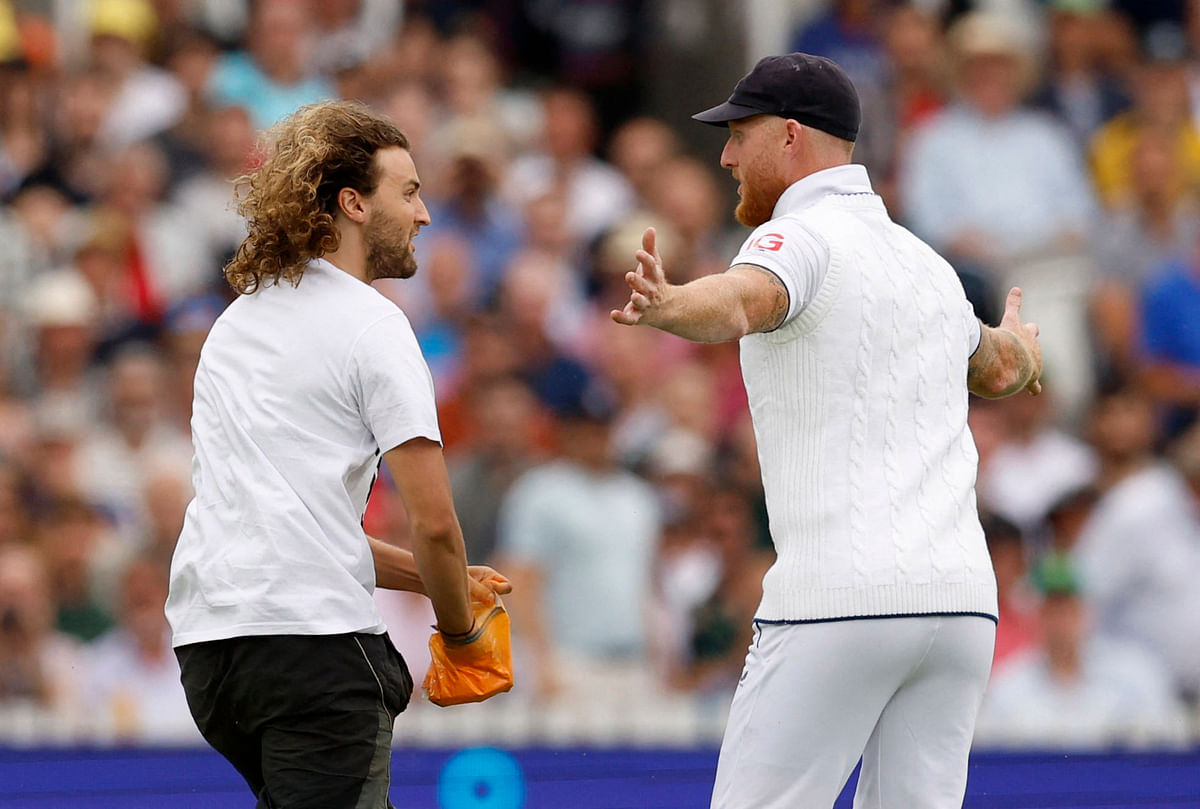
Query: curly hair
(289, 202)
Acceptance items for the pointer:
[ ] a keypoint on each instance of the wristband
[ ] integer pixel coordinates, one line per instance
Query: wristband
(459, 637)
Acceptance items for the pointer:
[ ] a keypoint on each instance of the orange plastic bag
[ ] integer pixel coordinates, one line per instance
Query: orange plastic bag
(476, 668)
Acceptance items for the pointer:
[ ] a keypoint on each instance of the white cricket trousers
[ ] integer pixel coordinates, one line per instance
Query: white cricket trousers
(901, 693)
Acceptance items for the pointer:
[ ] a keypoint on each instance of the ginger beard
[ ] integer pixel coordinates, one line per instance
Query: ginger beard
(761, 189)
(389, 252)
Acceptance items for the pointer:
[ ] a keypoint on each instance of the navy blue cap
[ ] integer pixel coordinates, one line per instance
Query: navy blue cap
(810, 89)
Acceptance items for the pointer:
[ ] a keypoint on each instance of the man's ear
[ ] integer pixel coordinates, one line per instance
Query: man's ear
(793, 131)
(352, 204)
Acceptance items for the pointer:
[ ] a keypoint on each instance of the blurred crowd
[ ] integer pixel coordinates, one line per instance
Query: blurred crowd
(610, 472)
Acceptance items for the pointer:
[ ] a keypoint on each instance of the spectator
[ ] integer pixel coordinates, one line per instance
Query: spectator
(1035, 465)
(162, 252)
(595, 194)
(687, 431)
(638, 147)
(469, 205)
(1138, 554)
(722, 624)
(687, 569)
(1022, 216)
(414, 107)
(132, 677)
(22, 136)
(206, 198)
(61, 311)
(187, 324)
(1066, 519)
(1156, 221)
(577, 536)
(597, 47)
(537, 301)
(505, 441)
(739, 470)
(59, 426)
(101, 259)
(490, 351)
(620, 360)
(36, 226)
(76, 161)
(415, 55)
(38, 665)
(271, 77)
(984, 211)
(911, 89)
(1078, 690)
(166, 494)
(141, 100)
(546, 228)
(1170, 345)
(1154, 227)
(848, 32)
(1016, 631)
(451, 280)
(72, 539)
(352, 29)
(117, 458)
(684, 194)
(191, 56)
(1077, 90)
(1161, 105)
(471, 89)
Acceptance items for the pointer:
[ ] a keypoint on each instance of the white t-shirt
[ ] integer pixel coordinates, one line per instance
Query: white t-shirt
(299, 391)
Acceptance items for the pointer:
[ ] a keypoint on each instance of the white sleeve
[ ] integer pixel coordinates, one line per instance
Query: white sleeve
(795, 253)
(392, 385)
(974, 332)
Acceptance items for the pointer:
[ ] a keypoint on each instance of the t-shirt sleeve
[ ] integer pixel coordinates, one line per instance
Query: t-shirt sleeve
(392, 384)
(974, 332)
(795, 253)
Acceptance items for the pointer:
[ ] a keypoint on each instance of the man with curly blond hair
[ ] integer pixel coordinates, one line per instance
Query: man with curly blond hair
(305, 383)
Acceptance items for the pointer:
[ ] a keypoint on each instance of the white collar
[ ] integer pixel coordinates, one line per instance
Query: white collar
(331, 269)
(848, 179)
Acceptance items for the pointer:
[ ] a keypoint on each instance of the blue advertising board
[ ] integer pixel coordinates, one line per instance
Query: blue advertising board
(543, 778)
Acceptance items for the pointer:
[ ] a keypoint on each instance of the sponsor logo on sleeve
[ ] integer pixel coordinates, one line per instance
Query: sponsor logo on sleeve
(768, 241)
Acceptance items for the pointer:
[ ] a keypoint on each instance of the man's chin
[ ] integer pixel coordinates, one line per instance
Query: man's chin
(748, 216)
(398, 270)
(406, 270)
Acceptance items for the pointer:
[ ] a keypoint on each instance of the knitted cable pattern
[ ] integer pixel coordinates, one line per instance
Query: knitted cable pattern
(858, 429)
(897, 274)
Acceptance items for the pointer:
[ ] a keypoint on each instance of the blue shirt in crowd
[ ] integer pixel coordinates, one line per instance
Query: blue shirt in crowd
(238, 81)
(1171, 315)
(1017, 180)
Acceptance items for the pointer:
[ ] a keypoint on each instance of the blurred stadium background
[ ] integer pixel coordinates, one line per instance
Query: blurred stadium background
(610, 472)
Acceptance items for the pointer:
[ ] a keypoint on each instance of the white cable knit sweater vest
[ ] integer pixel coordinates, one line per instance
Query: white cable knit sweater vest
(860, 412)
